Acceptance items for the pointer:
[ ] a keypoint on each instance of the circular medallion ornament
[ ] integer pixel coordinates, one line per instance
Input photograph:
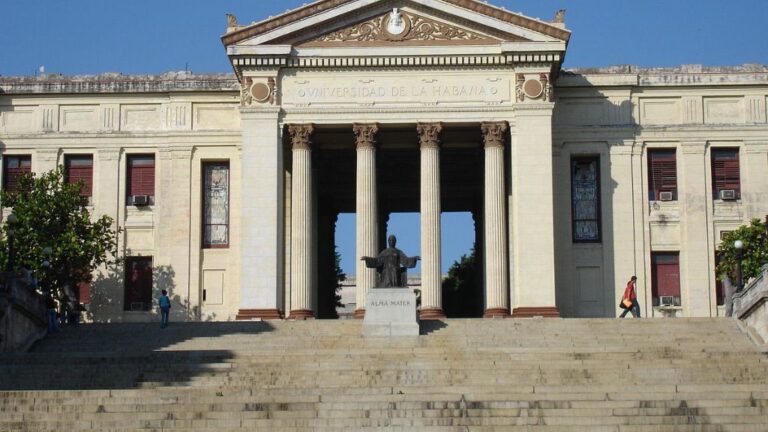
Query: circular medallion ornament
(533, 88)
(397, 25)
(261, 92)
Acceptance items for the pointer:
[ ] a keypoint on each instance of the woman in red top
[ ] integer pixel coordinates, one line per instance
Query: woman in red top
(631, 294)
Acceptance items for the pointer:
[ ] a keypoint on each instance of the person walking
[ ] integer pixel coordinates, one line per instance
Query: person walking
(53, 319)
(630, 294)
(165, 308)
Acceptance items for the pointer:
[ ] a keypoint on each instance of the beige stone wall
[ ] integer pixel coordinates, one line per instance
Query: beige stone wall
(182, 129)
(615, 114)
(619, 114)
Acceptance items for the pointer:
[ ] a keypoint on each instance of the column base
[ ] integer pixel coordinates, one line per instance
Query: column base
(301, 314)
(431, 314)
(359, 314)
(536, 312)
(265, 314)
(496, 313)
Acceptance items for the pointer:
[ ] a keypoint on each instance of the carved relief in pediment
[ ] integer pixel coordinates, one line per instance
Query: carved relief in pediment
(399, 26)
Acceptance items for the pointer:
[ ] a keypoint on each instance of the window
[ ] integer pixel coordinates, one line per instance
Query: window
(216, 204)
(80, 168)
(141, 179)
(665, 274)
(138, 283)
(662, 175)
(725, 173)
(84, 292)
(13, 168)
(585, 199)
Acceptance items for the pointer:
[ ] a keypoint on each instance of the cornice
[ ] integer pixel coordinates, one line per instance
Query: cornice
(318, 7)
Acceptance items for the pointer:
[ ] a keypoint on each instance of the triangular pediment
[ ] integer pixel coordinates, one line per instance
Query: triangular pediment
(404, 27)
(355, 23)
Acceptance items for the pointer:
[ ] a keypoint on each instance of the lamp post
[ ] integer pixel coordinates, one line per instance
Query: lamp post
(739, 246)
(11, 230)
(46, 264)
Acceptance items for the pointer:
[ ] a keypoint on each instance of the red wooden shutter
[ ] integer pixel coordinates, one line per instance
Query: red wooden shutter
(725, 171)
(662, 172)
(80, 168)
(84, 292)
(665, 275)
(15, 167)
(141, 173)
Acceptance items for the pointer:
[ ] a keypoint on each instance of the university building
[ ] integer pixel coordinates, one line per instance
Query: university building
(228, 186)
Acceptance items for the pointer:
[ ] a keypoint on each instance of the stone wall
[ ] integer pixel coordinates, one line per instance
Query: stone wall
(750, 306)
(22, 317)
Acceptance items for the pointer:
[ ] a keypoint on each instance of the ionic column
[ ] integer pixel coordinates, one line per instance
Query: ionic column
(301, 221)
(431, 294)
(494, 222)
(367, 243)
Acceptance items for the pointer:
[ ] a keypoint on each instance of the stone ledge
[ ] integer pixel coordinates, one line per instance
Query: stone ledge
(684, 75)
(118, 83)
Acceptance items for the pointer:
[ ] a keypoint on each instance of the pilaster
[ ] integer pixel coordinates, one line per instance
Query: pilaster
(431, 277)
(695, 261)
(495, 219)
(531, 240)
(261, 207)
(367, 227)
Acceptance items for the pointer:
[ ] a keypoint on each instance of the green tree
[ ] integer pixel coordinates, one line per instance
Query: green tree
(459, 286)
(754, 255)
(52, 213)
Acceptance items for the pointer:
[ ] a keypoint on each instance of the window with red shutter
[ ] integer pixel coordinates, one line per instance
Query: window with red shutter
(662, 173)
(138, 283)
(14, 166)
(80, 168)
(141, 177)
(665, 276)
(725, 171)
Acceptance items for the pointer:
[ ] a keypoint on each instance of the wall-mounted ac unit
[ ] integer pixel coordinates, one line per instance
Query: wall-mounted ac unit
(140, 200)
(666, 196)
(666, 300)
(727, 194)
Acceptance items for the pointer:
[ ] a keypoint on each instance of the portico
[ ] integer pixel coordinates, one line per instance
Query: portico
(375, 107)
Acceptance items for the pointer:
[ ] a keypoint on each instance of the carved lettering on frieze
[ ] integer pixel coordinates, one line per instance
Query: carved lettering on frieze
(494, 133)
(397, 26)
(301, 135)
(429, 134)
(365, 134)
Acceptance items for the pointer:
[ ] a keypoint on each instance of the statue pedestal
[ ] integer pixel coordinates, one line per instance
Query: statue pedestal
(390, 312)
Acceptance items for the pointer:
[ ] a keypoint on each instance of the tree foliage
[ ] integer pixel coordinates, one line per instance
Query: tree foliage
(460, 285)
(52, 213)
(754, 255)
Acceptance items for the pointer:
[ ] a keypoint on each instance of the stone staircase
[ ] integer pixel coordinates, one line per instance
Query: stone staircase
(460, 375)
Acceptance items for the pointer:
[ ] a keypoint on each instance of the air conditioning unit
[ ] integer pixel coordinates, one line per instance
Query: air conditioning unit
(667, 300)
(666, 196)
(727, 194)
(140, 200)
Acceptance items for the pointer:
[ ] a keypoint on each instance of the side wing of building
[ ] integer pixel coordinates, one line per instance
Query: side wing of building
(651, 167)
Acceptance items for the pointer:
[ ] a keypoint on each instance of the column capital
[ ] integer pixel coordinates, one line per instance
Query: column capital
(429, 134)
(494, 133)
(301, 135)
(365, 134)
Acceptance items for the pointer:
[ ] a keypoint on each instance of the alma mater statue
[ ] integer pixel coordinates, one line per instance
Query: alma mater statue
(391, 265)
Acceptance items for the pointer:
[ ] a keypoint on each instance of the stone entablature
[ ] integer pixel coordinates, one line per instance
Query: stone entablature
(118, 83)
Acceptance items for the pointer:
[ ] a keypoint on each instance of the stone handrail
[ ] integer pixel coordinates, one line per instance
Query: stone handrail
(750, 307)
(22, 315)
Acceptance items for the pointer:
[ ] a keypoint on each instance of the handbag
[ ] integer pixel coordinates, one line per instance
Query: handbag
(625, 304)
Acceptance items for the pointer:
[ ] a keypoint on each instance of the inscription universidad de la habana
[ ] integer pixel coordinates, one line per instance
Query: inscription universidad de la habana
(436, 91)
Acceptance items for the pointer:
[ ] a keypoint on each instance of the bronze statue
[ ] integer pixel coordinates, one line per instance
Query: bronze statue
(391, 265)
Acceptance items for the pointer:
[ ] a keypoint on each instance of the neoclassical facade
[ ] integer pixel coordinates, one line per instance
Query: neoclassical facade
(229, 186)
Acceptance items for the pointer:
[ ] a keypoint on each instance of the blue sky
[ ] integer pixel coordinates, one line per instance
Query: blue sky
(153, 36)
